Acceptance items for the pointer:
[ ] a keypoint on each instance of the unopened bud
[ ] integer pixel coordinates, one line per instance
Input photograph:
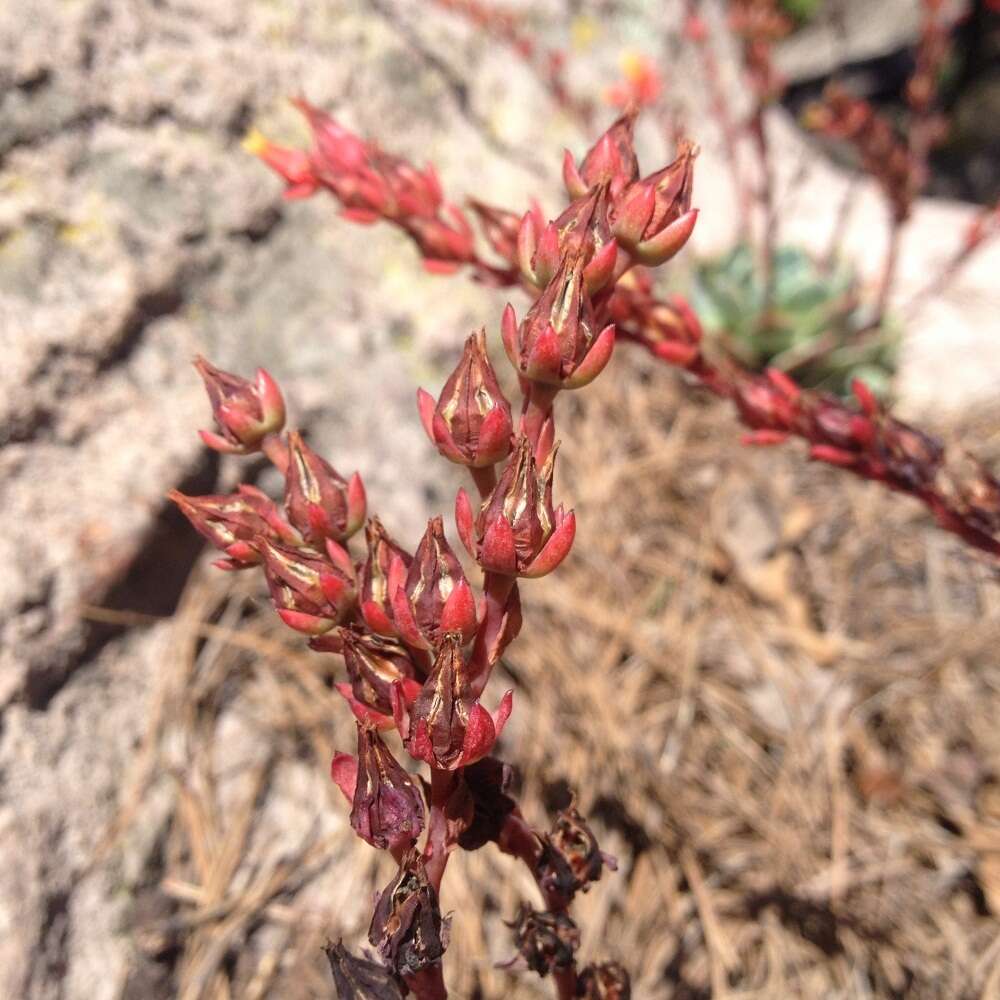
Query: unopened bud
(245, 412)
(470, 424)
(319, 501)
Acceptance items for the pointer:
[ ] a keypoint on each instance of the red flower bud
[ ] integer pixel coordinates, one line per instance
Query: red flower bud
(387, 805)
(435, 596)
(557, 342)
(359, 979)
(319, 502)
(471, 422)
(377, 583)
(374, 664)
(232, 522)
(653, 218)
(446, 726)
(311, 593)
(517, 532)
(246, 412)
(293, 165)
(611, 160)
(407, 928)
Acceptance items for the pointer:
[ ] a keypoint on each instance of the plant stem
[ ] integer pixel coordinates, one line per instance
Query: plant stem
(276, 451)
(520, 841)
(428, 984)
(497, 590)
(537, 410)
(436, 851)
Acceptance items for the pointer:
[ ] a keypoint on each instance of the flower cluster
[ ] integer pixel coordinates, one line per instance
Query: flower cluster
(419, 638)
(418, 642)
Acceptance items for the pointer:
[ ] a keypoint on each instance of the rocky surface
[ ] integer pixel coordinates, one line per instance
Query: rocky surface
(133, 234)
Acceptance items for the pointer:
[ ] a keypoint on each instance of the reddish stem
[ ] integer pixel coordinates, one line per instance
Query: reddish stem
(428, 984)
(276, 452)
(496, 592)
(538, 400)
(436, 850)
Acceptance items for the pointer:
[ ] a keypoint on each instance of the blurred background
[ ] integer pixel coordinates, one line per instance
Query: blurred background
(773, 688)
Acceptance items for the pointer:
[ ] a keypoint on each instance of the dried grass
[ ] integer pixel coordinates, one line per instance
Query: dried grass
(775, 690)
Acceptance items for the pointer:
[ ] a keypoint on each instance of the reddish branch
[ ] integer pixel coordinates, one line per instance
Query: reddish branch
(961, 493)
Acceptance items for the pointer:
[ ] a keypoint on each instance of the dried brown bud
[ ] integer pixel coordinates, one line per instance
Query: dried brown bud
(359, 979)
(407, 928)
(570, 858)
(545, 941)
(607, 981)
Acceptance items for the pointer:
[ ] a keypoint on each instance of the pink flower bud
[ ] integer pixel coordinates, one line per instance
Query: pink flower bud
(319, 502)
(434, 597)
(653, 218)
(611, 160)
(558, 341)
(232, 522)
(447, 727)
(377, 583)
(246, 412)
(471, 422)
(517, 532)
(374, 664)
(311, 593)
(293, 165)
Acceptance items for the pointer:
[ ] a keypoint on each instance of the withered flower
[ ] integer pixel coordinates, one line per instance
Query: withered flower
(359, 979)
(606, 981)
(407, 928)
(546, 941)
(387, 806)
(570, 858)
